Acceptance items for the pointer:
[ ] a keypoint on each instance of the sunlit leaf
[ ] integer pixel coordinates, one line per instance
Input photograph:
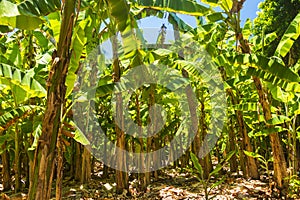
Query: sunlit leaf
(180, 6)
(278, 119)
(11, 16)
(289, 37)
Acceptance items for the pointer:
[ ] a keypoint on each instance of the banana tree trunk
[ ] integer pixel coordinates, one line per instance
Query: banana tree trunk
(200, 131)
(155, 138)
(86, 165)
(232, 147)
(18, 161)
(150, 140)
(141, 176)
(250, 168)
(78, 160)
(280, 170)
(5, 168)
(121, 176)
(206, 161)
(59, 169)
(44, 160)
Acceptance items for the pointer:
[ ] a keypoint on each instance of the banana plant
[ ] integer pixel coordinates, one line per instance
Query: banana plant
(21, 86)
(228, 44)
(289, 38)
(214, 173)
(27, 14)
(264, 162)
(258, 66)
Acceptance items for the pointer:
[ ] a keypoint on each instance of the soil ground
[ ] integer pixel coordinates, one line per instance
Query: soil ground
(171, 184)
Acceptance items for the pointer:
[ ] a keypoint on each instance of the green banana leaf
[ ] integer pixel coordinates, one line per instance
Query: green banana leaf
(26, 15)
(179, 6)
(289, 38)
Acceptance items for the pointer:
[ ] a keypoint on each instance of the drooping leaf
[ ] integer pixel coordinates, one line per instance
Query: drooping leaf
(179, 6)
(41, 39)
(11, 116)
(247, 29)
(80, 137)
(26, 15)
(180, 24)
(289, 37)
(214, 17)
(54, 22)
(269, 65)
(280, 95)
(79, 41)
(119, 9)
(21, 82)
(258, 44)
(10, 15)
(278, 119)
(39, 7)
(13, 54)
(276, 81)
(266, 68)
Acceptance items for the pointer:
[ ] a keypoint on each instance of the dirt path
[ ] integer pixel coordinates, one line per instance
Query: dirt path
(170, 185)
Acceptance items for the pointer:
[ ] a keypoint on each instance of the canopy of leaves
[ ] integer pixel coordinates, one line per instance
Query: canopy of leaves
(276, 15)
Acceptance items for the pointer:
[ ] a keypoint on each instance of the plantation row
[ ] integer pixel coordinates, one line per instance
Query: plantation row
(222, 94)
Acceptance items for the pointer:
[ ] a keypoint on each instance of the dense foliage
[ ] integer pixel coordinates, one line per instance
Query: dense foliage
(276, 16)
(51, 70)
